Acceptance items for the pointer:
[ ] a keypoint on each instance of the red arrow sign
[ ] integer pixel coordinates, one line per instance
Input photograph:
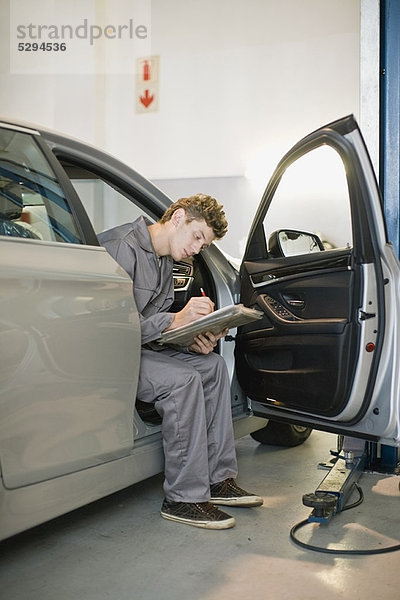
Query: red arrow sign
(146, 100)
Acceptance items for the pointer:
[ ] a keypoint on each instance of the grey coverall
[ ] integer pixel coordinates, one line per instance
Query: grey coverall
(190, 391)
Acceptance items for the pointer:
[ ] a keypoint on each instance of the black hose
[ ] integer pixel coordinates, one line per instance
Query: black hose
(295, 528)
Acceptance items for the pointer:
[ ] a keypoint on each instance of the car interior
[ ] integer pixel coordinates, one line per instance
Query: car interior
(13, 219)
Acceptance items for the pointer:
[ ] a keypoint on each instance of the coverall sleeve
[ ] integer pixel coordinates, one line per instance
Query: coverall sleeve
(153, 326)
(152, 321)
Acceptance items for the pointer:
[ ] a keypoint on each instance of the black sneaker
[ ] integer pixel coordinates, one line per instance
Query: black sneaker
(198, 514)
(228, 493)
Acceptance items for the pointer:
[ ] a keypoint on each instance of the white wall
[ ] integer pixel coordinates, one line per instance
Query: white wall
(240, 82)
(370, 76)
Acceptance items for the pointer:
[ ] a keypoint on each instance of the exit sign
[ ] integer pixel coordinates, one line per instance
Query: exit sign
(147, 84)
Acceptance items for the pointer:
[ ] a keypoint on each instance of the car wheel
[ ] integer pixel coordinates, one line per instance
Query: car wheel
(282, 434)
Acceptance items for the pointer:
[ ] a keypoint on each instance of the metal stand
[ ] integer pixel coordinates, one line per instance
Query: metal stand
(383, 459)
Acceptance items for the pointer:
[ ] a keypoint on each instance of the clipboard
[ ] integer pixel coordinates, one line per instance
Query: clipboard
(226, 317)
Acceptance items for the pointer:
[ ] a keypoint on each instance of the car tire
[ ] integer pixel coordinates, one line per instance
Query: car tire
(282, 434)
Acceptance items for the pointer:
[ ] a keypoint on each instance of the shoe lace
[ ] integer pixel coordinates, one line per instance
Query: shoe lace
(206, 507)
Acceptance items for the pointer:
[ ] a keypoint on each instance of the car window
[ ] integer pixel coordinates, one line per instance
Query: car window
(312, 196)
(105, 205)
(32, 202)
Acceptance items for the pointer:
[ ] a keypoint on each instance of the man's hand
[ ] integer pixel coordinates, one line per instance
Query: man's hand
(205, 343)
(198, 306)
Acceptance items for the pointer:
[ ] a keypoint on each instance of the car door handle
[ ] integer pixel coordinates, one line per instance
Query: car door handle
(294, 302)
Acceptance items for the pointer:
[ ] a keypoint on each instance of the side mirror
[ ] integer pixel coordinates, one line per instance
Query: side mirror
(289, 242)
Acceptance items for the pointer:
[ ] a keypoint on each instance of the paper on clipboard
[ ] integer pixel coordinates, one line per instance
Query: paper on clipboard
(226, 317)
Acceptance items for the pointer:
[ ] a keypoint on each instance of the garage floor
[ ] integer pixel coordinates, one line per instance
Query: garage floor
(120, 549)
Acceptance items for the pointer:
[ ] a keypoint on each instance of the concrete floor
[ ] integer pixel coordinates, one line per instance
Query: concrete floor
(119, 548)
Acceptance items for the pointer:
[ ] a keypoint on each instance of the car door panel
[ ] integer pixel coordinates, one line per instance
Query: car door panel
(307, 288)
(67, 403)
(301, 349)
(317, 355)
(66, 312)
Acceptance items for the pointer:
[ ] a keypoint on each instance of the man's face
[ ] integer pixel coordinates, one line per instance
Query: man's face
(189, 237)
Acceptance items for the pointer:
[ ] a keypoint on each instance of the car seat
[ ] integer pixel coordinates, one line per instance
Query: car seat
(10, 211)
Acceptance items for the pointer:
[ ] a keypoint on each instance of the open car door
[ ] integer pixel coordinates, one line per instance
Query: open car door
(319, 266)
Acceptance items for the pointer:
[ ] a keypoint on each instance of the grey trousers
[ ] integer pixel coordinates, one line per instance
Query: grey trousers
(192, 394)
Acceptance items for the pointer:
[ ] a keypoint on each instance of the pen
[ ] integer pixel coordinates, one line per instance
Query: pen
(202, 292)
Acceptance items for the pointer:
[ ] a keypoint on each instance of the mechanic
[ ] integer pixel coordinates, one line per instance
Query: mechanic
(189, 387)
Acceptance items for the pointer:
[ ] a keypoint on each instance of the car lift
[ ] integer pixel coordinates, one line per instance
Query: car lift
(333, 492)
(353, 457)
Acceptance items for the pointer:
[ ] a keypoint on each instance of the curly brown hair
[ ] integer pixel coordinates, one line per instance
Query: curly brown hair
(201, 207)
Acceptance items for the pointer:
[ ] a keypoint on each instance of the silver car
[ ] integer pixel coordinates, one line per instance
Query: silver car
(317, 264)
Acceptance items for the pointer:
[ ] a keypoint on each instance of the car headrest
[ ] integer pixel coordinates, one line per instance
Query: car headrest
(10, 206)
